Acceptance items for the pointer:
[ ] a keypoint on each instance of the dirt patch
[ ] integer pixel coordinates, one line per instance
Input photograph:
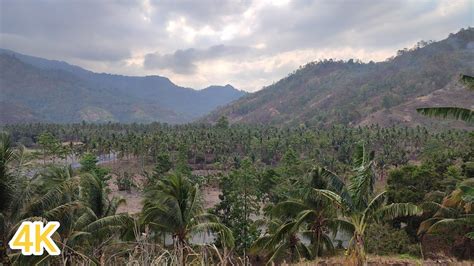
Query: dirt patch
(210, 196)
(133, 198)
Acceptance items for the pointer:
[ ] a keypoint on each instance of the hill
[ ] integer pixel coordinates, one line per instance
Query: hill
(34, 89)
(351, 92)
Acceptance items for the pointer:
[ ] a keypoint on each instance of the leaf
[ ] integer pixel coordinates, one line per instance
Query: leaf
(374, 206)
(396, 210)
(456, 113)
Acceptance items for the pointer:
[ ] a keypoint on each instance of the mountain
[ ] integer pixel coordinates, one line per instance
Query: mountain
(34, 89)
(355, 93)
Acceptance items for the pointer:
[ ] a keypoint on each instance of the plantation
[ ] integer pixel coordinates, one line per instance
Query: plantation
(238, 194)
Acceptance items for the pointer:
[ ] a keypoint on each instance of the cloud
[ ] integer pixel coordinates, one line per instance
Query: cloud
(246, 43)
(184, 61)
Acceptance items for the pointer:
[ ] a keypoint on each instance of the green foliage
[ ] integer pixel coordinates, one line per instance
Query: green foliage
(222, 123)
(452, 219)
(358, 204)
(239, 203)
(162, 166)
(182, 166)
(411, 183)
(382, 239)
(89, 165)
(261, 169)
(124, 182)
(173, 205)
(50, 145)
(7, 155)
(457, 113)
(468, 81)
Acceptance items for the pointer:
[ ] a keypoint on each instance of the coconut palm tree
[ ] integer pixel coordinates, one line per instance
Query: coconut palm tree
(281, 242)
(456, 113)
(81, 205)
(304, 216)
(358, 205)
(173, 206)
(7, 155)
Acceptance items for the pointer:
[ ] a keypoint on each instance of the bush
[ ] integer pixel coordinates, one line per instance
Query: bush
(124, 182)
(382, 239)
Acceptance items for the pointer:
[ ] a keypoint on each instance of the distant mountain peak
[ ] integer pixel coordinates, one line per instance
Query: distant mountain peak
(65, 93)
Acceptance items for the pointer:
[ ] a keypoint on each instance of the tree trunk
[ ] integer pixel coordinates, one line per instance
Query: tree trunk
(359, 251)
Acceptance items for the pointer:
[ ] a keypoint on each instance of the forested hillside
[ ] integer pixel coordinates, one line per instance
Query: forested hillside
(352, 92)
(34, 89)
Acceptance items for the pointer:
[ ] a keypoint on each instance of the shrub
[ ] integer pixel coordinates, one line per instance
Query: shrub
(382, 239)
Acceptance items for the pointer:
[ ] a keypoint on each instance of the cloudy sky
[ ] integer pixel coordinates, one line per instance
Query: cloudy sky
(197, 43)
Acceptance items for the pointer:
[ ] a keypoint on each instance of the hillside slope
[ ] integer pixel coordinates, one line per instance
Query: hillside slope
(327, 92)
(34, 89)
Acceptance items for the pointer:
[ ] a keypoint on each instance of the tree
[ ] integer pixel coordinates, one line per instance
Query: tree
(309, 216)
(182, 166)
(163, 165)
(239, 202)
(358, 205)
(50, 145)
(7, 190)
(222, 123)
(89, 165)
(281, 242)
(173, 206)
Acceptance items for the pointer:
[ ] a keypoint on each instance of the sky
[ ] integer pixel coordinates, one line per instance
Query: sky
(197, 43)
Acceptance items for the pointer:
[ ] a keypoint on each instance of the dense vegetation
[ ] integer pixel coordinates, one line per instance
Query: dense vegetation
(286, 194)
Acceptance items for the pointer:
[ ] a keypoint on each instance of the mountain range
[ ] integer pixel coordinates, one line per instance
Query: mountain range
(319, 93)
(354, 93)
(34, 89)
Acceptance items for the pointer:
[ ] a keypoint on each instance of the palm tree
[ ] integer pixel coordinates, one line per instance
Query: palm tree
(281, 242)
(7, 155)
(456, 113)
(455, 214)
(358, 205)
(81, 205)
(100, 222)
(307, 216)
(173, 205)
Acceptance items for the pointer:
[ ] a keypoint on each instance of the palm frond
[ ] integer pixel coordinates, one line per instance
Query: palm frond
(451, 223)
(224, 232)
(470, 235)
(261, 244)
(330, 195)
(336, 184)
(61, 211)
(341, 225)
(288, 208)
(118, 220)
(375, 204)
(396, 210)
(426, 224)
(457, 113)
(277, 253)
